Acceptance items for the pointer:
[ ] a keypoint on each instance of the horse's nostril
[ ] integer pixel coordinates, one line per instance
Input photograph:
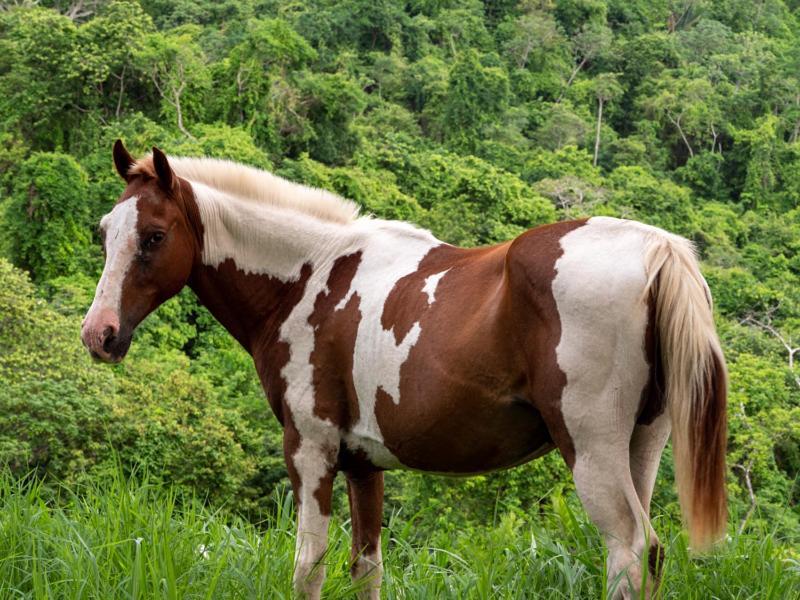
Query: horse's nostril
(108, 339)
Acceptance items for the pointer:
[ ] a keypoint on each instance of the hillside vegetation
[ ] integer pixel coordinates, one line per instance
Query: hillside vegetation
(475, 120)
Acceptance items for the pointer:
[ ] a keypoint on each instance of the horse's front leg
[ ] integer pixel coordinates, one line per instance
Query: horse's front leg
(365, 490)
(311, 464)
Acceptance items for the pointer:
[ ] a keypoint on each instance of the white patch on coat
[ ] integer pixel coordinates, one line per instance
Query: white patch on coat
(431, 283)
(122, 244)
(388, 252)
(312, 463)
(598, 291)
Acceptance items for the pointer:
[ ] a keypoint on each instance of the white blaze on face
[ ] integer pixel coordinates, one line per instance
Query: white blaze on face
(122, 243)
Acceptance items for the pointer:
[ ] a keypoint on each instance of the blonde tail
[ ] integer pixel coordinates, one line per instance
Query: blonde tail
(696, 383)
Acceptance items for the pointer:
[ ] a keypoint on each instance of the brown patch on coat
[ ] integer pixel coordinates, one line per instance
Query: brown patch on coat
(324, 492)
(252, 307)
(653, 399)
(334, 345)
(531, 268)
(406, 303)
(481, 388)
(365, 495)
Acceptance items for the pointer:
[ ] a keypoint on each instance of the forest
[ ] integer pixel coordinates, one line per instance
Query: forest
(476, 120)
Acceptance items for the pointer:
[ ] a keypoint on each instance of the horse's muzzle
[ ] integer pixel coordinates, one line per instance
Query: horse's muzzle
(102, 337)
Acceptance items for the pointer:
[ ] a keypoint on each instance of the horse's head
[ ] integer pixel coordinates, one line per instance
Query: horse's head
(151, 241)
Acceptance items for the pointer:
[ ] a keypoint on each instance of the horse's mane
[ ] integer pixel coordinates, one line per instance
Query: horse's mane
(255, 185)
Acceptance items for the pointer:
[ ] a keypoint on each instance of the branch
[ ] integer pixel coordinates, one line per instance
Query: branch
(765, 324)
(677, 123)
(80, 9)
(572, 77)
(12, 4)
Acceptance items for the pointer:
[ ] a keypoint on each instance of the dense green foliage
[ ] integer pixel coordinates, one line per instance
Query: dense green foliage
(476, 120)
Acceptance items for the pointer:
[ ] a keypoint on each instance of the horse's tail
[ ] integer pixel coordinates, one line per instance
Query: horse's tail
(696, 382)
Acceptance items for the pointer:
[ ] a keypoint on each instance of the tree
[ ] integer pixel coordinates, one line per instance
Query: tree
(562, 126)
(606, 88)
(691, 106)
(330, 102)
(53, 404)
(761, 143)
(176, 65)
(46, 219)
(256, 81)
(476, 96)
(589, 43)
(532, 36)
(40, 70)
(461, 28)
(109, 43)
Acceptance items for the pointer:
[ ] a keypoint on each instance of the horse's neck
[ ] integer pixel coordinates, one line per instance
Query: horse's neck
(263, 239)
(256, 258)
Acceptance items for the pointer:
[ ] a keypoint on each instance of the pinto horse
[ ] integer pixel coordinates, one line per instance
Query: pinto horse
(381, 347)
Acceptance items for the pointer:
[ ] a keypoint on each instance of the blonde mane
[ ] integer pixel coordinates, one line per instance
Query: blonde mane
(255, 185)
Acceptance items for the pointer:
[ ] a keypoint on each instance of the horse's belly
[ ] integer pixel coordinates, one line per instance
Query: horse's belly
(477, 438)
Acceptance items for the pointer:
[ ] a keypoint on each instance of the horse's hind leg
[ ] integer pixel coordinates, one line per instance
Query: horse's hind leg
(599, 404)
(598, 290)
(604, 484)
(647, 445)
(600, 414)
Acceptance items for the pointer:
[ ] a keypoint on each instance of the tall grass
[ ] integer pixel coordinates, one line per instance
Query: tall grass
(122, 539)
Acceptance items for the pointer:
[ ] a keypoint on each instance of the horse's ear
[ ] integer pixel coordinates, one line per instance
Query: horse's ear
(122, 160)
(163, 170)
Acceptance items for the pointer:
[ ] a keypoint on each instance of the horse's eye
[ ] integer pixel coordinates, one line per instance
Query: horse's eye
(153, 240)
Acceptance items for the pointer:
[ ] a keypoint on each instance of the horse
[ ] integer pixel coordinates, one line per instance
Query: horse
(381, 347)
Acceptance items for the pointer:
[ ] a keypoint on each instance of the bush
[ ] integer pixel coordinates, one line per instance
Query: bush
(64, 418)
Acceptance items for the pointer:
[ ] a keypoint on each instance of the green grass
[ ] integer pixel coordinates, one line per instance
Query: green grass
(117, 539)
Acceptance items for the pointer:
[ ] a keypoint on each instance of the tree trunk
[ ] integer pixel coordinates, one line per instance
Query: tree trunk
(597, 133)
(526, 52)
(177, 102)
(121, 91)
